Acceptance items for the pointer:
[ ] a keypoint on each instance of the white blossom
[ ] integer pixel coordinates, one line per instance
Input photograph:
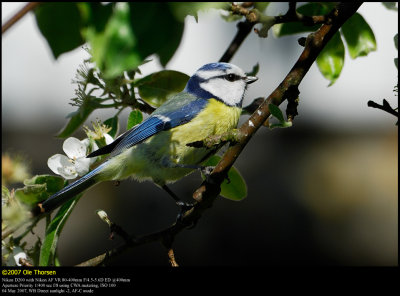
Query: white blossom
(76, 164)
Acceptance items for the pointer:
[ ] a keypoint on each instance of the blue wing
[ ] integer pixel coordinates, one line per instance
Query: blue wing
(177, 111)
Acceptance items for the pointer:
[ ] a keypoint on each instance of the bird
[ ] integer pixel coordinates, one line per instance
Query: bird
(156, 149)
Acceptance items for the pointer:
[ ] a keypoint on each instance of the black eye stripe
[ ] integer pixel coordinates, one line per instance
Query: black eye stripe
(230, 77)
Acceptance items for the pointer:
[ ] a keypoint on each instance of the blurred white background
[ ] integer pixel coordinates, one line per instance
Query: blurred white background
(36, 88)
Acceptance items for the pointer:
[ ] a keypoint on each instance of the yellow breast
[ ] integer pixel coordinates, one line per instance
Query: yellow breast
(216, 118)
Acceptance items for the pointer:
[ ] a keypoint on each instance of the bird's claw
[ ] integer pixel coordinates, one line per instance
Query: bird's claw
(206, 172)
(183, 208)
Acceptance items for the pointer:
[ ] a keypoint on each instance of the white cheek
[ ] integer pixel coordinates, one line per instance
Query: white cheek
(231, 93)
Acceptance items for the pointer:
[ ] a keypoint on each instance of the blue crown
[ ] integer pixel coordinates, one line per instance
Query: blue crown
(213, 66)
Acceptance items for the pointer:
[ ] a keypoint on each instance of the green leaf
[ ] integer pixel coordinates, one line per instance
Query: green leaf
(121, 35)
(155, 88)
(78, 117)
(53, 183)
(276, 112)
(113, 43)
(235, 189)
(261, 6)
(331, 59)
(254, 71)
(135, 117)
(53, 231)
(5, 193)
(310, 9)
(131, 33)
(183, 9)
(32, 194)
(39, 188)
(390, 5)
(60, 23)
(359, 36)
(156, 29)
(316, 8)
(96, 14)
(280, 125)
(112, 122)
(34, 252)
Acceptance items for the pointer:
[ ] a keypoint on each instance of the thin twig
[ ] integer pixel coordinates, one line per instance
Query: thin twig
(244, 28)
(15, 18)
(116, 229)
(385, 107)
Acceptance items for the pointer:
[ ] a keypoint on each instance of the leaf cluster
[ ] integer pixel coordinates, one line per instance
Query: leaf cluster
(359, 37)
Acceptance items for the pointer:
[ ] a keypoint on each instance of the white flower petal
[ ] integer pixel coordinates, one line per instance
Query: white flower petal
(20, 255)
(56, 162)
(74, 148)
(108, 138)
(90, 144)
(69, 173)
(82, 166)
(13, 258)
(92, 148)
(86, 142)
(92, 160)
(62, 165)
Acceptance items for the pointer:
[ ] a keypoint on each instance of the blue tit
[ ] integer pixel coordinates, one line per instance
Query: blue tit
(157, 148)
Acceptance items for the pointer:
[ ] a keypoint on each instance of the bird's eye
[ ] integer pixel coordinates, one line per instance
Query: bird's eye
(231, 77)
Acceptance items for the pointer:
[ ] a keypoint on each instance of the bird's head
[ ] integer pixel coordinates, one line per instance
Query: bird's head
(222, 81)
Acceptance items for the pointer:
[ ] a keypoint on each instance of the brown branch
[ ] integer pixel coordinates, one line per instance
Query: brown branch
(385, 107)
(251, 15)
(116, 229)
(254, 16)
(162, 235)
(210, 188)
(28, 7)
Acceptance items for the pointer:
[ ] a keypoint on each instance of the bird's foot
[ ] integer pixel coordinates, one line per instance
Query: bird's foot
(206, 172)
(183, 208)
